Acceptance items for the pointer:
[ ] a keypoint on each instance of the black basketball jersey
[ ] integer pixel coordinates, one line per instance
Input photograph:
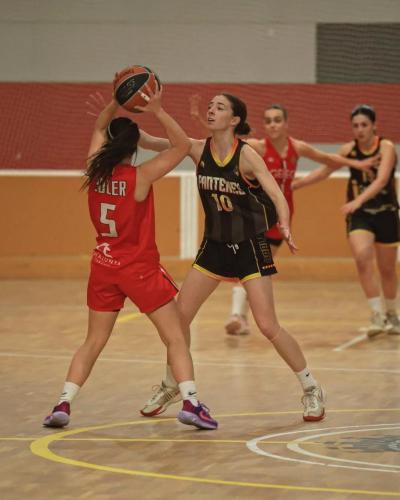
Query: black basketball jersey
(359, 180)
(235, 209)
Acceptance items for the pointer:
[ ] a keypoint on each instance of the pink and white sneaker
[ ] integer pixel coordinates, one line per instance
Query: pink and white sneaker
(199, 416)
(59, 417)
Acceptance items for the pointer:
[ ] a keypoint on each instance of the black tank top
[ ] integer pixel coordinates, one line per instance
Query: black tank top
(359, 180)
(235, 209)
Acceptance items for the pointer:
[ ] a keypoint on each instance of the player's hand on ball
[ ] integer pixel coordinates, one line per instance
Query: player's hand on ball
(153, 100)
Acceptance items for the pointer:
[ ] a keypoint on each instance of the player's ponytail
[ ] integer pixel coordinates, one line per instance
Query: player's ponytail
(239, 109)
(122, 139)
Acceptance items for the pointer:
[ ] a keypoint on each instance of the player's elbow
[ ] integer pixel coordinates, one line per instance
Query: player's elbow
(187, 145)
(381, 183)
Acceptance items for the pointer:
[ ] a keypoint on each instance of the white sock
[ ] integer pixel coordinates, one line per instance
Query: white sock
(239, 301)
(188, 391)
(375, 304)
(70, 390)
(169, 380)
(391, 305)
(306, 379)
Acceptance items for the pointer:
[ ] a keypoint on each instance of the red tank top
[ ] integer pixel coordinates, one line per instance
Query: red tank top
(282, 169)
(125, 228)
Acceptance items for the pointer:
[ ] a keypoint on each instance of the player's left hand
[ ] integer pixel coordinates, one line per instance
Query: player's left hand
(287, 236)
(95, 104)
(350, 207)
(153, 100)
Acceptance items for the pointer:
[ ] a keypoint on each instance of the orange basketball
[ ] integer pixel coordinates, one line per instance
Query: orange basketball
(128, 83)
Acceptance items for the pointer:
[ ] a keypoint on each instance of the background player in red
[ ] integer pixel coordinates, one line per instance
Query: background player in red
(241, 200)
(126, 262)
(280, 153)
(372, 217)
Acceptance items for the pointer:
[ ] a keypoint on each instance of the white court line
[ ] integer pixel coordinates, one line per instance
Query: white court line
(200, 363)
(356, 340)
(252, 445)
(58, 172)
(295, 446)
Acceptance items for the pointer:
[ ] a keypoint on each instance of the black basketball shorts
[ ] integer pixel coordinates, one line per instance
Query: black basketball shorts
(384, 225)
(235, 261)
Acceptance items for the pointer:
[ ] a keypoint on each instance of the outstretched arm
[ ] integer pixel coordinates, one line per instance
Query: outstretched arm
(333, 161)
(321, 173)
(159, 144)
(317, 175)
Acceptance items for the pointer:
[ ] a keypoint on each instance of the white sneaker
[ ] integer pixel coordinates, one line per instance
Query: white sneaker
(392, 323)
(237, 325)
(377, 325)
(161, 399)
(314, 404)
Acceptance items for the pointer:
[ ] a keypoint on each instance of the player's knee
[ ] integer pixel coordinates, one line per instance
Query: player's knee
(270, 330)
(364, 261)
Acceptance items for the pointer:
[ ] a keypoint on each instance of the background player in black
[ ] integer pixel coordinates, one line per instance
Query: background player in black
(372, 217)
(250, 258)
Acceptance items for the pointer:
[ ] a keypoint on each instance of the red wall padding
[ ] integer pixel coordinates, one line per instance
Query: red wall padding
(45, 125)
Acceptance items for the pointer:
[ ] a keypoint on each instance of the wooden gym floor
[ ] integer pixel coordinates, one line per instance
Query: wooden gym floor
(262, 450)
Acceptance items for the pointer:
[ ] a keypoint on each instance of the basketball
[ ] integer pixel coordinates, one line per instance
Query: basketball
(128, 83)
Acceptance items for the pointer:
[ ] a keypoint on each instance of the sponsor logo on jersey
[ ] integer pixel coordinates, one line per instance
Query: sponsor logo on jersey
(219, 184)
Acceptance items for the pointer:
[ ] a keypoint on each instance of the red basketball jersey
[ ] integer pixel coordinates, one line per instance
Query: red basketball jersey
(125, 228)
(282, 169)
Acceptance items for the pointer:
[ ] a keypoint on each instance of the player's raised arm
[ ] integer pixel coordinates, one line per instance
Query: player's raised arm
(179, 143)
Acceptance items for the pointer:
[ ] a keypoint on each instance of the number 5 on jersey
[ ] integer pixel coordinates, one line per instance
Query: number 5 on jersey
(104, 209)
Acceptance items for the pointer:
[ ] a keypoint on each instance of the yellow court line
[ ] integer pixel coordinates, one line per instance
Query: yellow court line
(160, 440)
(128, 317)
(40, 447)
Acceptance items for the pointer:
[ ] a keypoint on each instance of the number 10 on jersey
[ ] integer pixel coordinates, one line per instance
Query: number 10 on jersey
(223, 202)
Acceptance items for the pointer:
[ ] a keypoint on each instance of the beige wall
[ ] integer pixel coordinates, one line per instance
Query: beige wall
(184, 40)
(47, 232)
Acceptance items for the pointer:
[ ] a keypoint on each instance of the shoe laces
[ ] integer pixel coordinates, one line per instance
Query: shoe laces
(164, 391)
(157, 389)
(311, 398)
(392, 318)
(204, 407)
(377, 319)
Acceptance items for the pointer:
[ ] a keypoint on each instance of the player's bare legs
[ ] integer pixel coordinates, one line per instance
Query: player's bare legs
(100, 326)
(260, 295)
(386, 258)
(167, 322)
(237, 323)
(195, 290)
(362, 244)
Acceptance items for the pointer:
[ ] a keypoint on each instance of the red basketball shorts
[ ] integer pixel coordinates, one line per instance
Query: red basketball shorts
(148, 290)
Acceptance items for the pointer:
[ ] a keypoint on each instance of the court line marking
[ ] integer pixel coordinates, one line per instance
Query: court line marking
(295, 446)
(40, 447)
(222, 415)
(356, 340)
(252, 445)
(157, 440)
(202, 363)
(128, 317)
